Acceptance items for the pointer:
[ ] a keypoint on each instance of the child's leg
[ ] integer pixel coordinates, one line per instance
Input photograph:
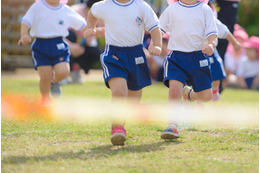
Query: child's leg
(175, 90)
(175, 94)
(118, 87)
(215, 90)
(203, 96)
(119, 90)
(45, 73)
(61, 71)
(135, 95)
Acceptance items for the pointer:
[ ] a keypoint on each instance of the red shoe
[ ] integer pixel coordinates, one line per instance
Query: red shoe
(118, 135)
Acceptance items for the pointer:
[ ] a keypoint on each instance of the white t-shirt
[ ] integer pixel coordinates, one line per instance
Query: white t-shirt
(125, 23)
(222, 29)
(46, 21)
(248, 68)
(189, 26)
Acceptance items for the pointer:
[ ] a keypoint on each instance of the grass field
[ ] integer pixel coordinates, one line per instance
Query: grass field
(39, 145)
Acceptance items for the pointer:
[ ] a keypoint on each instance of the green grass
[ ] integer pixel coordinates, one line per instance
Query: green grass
(61, 146)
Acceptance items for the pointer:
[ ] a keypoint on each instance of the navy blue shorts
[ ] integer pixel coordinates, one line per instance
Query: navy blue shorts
(49, 51)
(217, 67)
(191, 68)
(126, 62)
(249, 81)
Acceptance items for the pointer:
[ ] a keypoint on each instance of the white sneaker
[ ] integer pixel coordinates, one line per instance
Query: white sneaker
(185, 92)
(76, 77)
(55, 89)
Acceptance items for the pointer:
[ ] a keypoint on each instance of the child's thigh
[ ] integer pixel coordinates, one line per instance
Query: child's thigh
(175, 89)
(118, 85)
(204, 95)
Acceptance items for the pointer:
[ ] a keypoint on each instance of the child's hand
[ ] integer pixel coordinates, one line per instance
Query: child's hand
(89, 32)
(25, 39)
(208, 49)
(100, 31)
(154, 50)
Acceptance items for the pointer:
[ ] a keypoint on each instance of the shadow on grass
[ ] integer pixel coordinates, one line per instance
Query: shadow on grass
(102, 151)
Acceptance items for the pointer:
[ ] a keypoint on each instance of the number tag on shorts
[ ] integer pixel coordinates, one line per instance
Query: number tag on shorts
(61, 46)
(139, 60)
(204, 63)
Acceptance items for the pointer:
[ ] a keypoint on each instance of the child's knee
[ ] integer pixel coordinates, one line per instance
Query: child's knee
(62, 73)
(205, 97)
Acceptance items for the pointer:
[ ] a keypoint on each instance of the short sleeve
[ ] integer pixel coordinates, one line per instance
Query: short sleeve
(222, 29)
(164, 21)
(210, 27)
(29, 16)
(77, 22)
(97, 9)
(151, 20)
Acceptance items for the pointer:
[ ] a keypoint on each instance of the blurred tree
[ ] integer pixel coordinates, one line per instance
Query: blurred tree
(248, 16)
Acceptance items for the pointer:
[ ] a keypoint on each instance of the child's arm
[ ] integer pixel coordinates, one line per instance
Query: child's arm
(90, 29)
(25, 38)
(230, 38)
(155, 47)
(212, 42)
(224, 33)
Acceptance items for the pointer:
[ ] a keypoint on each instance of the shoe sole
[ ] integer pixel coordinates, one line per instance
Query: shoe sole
(118, 139)
(168, 135)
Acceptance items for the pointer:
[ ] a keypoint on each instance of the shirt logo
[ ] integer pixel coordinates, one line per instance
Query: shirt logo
(139, 20)
(61, 22)
(61, 59)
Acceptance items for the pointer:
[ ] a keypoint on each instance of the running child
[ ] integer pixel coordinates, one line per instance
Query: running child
(217, 66)
(48, 22)
(193, 38)
(124, 64)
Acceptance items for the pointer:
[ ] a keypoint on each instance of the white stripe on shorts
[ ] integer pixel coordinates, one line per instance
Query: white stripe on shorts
(166, 64)
(106, 72)
(33, 57)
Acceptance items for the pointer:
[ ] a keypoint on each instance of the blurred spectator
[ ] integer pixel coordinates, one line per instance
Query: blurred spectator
(248, 71)
(234, 57)
(84, 53)
(227, 14)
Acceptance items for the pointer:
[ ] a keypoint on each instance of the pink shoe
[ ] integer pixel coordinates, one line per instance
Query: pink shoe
(118, 135)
